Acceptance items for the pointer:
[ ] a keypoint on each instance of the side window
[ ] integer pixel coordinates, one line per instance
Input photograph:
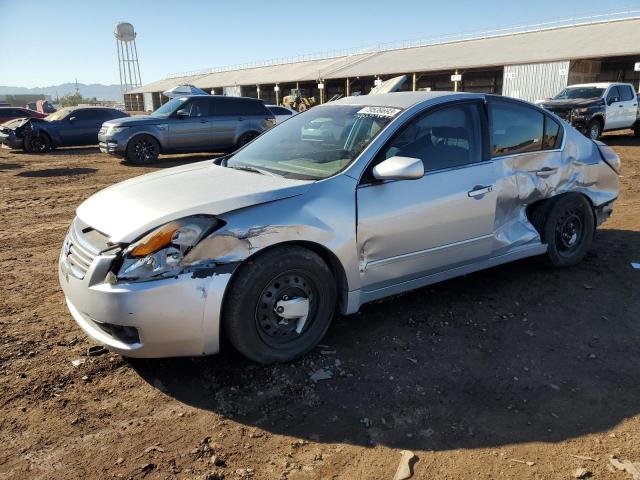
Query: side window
(279, 111)
(626, 93)
(84, 115)
(514, 128)
(229, 107)
(613, 93)
(253, 107)
(198, 107)
(446, 138)
(552, 134)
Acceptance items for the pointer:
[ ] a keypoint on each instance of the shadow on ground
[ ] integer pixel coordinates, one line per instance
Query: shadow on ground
(57, 172)
(10, 166)
(517, 353)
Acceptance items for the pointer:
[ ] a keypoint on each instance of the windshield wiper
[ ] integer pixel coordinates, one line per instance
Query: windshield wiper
(247, 168)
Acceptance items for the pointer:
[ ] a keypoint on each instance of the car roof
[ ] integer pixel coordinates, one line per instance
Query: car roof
(397, 99)
(597, 84)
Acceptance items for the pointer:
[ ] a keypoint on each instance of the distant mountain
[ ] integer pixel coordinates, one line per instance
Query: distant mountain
(101, 92)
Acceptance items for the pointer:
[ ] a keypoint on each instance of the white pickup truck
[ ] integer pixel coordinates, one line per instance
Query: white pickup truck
(594, 108)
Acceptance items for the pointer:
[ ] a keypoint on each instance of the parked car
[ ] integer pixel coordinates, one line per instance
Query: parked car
(267, 243)
(73, 126)
(200, 123)
(9, 113)
(594, 108)
(281, 113)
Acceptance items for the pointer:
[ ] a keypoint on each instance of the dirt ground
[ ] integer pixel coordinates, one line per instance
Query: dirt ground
(506, 373)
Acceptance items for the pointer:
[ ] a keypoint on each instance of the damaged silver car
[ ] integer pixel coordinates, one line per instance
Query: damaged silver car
(394, 192)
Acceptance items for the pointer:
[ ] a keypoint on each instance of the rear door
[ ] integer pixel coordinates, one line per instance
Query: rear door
(411, 228)
(228, 119)
(629, 105)
(193, 132)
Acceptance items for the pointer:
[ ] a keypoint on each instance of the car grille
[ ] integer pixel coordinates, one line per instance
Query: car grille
(563, 113)
(82, 245)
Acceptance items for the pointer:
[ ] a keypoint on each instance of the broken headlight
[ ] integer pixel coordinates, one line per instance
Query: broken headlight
(161, 252)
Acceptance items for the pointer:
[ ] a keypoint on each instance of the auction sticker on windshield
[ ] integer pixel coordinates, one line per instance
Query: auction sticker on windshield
(387, 112)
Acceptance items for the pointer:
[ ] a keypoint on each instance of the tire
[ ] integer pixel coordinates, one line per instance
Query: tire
(251, 319)
(246, 138)
(142, 150)
(636, 129)
(567, 225)
(36, 143)
(594, 129)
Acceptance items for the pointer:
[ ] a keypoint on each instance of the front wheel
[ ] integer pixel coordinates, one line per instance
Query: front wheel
(246, 138)
(567, 226)
(143, 150)
(36, 143)
(594, 129)
(280, 305)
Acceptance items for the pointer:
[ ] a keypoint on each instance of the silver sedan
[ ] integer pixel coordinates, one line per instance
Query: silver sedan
(349, 202)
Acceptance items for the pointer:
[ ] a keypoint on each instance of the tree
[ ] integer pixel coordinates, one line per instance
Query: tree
(72, 100)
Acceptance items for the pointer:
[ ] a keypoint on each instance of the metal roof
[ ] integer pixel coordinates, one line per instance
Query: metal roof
(592, 40)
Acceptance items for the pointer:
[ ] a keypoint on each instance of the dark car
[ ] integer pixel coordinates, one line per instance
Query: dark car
(68, 127)
(190, 123)
(9, 113)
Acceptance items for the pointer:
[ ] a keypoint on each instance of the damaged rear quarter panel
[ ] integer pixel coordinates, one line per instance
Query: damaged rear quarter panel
(577, 167)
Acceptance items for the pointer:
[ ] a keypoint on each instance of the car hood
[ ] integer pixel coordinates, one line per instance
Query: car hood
(127, 210)
(576, 102)
(135, 120)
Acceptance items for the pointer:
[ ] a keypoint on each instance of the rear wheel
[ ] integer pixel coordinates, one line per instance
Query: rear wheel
(566, 225)
(36, 143)
(280, 305)
(636, 129)
(143, 150)
(246, 138)
(594, 129)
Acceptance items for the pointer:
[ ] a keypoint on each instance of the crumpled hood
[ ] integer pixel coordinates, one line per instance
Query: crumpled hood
(135, 120)
(576, 102)
(127, 210)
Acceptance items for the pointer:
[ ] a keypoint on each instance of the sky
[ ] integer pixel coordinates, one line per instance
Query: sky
(48, 42)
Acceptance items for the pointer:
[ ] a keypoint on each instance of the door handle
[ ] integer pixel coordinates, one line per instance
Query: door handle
(479, 190)
(203, 121)
(546, 171)
(240, 118)
(620, 106)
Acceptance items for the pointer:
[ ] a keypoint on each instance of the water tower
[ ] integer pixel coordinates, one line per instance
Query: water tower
(127, 56)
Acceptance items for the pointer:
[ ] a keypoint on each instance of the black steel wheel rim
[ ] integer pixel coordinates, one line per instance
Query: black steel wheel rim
(274, 330)
(145, 150)
(569, 232)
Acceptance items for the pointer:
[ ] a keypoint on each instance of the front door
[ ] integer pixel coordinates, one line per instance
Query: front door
(412, 228)
(192, 132)
(80, 127)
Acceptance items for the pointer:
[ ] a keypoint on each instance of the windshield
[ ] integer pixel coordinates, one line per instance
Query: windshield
(315, 144)
(579, 92)
(168, 108)
(59, 115)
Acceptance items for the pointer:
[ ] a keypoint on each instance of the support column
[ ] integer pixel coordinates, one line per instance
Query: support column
(347, 88)
(414, 81)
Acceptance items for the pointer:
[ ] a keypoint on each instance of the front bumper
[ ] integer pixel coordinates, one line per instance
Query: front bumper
(172, 317)
(9, 139)
(111, 145)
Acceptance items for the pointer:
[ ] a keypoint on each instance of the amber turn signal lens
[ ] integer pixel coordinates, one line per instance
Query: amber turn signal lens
(156, 240)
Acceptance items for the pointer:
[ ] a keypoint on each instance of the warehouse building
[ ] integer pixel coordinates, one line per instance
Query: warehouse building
(531, 63)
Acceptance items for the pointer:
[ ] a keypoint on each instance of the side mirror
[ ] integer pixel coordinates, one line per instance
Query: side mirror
(182, 113)
(72, 119)
(613, 100)
(399, 168)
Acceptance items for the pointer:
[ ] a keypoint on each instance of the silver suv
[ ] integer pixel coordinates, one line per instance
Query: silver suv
(186, 124)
